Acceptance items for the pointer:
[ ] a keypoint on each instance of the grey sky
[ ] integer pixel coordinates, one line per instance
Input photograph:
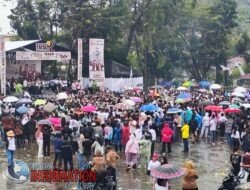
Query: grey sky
(5, 11)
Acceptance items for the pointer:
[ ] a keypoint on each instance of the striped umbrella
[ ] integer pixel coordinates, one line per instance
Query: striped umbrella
(168, 171)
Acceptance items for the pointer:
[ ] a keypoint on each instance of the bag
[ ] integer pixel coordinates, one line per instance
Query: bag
(243, 175)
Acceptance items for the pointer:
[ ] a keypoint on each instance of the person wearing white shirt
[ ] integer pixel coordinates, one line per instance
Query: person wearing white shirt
(236, 137)
(153, 133)
(138, 133)
(205, 125)
(154, 163)
(222, 124)
(213, 124)
(11, 147)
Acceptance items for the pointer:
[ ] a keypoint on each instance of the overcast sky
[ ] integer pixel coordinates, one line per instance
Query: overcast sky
(5, 11)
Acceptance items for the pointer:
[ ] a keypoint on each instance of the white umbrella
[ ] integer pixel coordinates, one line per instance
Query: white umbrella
(10, 99)
(246, 105)
(215, 86)
(238, 94)
(202, 90)
(62, 96)
(181, 88)
(129, 102)
(240, 89)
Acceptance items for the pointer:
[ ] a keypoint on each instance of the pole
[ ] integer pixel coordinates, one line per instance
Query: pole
(2, 65)
(80, 59)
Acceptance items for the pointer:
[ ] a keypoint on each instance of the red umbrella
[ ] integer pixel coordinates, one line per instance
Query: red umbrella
(232, 110)
(55, 120)
(154, 94)
(213, 108)
(88, 108)
(136, 89)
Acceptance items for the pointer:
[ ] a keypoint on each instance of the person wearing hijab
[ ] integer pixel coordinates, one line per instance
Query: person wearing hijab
(131, 152)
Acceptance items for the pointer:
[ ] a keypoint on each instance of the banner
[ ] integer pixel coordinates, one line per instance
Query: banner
(29, 70)
(96, 62)
(31, 55)
(2, 65)
(79, 59)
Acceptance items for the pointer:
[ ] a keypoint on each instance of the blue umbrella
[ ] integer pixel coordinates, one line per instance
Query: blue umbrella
(184, 96)
(22, 109)
(204, 83)
(174, 110)
(149, 108)
(166, 83)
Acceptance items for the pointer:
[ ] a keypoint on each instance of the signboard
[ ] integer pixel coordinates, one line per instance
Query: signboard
(29, 70)
(48, 46)
(2, 65)
(31, 55)
(96, 61)
(79, 59)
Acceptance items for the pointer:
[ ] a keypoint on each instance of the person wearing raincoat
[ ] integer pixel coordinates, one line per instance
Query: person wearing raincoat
(131, 152)
(145, 150)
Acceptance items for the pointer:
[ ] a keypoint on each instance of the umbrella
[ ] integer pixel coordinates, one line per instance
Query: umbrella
(204, 83)
(238, 94)
(55, 120)
(246, 105)
(184, 96)
(234, 106)
(49, 107)
(236, 99)
(149, 108)
(88, 108)
(39, 102)
(136, 89)
(202, 90)
(44, 122)
(224, 103)
(154, 94)
(168, 171)
(22, 109)
(174, 110)
(215, 86)
(62, 96)
(213, 108)
(136, 99)
(240, 89)
(205, 103)
(181, 88)
(129, 102)
(10, 99)
(122, 106)
(24, 101)
(180, 101)
(187, 84)
(232, 110)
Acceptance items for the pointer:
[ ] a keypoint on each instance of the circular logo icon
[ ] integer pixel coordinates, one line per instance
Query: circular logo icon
(18, 172)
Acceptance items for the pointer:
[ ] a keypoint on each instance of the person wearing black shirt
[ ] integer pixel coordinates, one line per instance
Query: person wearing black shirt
(87, 151)
(235, 160)
(67, 152)
(32, 128)
(46, 140)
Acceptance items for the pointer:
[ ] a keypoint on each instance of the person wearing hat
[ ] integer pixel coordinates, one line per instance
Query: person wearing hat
(189, 181)
(153, 163)
(10, 148)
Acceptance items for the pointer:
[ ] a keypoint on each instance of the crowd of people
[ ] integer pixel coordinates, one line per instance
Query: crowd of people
(102, 135)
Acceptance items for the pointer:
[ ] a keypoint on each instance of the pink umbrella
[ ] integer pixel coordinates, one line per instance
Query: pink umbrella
(88, 108)
(55, 120)
(136, 99)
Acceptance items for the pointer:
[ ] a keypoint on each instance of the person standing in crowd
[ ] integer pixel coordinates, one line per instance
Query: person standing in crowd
(222, 124)
(166, 136)
(67, 152)
(131, 152)
(87, 151)
(246, 140)
(39, 139)
(235, 137)
(153, 163)
(138, 133)
(98, 145)
(98, 130)
(117, 137)
(125, 135)
(98, 162)
(178, 124)
(19, 133)
(228, 130)
(46, 140)
(80, 152)
(193, 124)
(205, 125)
(145, 147)
(10, 150)
(57, 151)
(235, 160)
(189, 181)
(153, 140)
(108, 134)
(75, 138)
(32, 128)
(185, 136)
(213, 125)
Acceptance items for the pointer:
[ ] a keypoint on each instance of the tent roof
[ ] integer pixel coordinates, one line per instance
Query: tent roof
(12, 45)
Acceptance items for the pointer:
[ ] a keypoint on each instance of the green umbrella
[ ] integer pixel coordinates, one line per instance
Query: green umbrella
(234, 106)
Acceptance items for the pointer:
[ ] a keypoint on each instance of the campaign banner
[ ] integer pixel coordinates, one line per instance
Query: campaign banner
(29, 70)
(2, 65)
(32, 55)
(96, 61)
(79, 59)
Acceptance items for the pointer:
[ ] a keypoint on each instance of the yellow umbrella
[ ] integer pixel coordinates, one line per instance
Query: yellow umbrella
(187, 84)
(40, 102)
